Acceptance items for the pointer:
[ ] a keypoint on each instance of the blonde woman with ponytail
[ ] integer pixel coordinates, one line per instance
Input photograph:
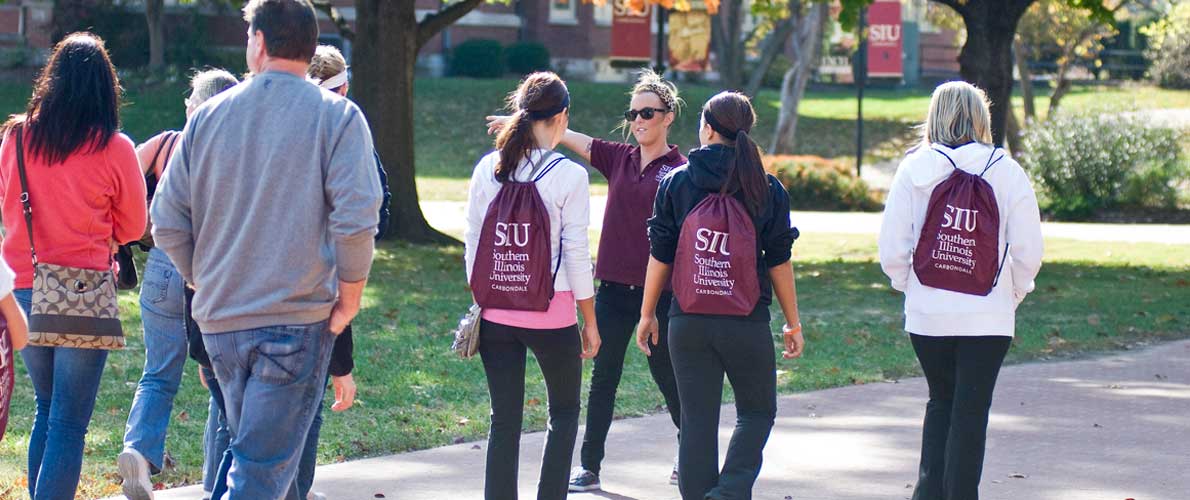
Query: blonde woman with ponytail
(633, 173)
(704, 347)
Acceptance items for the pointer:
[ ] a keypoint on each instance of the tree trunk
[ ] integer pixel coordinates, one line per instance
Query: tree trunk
(729, 49)
(1063, 83)
(807, 45)
(154, 10)
(986, 59)
(385, 58)
(773, 46)
(1013, 135)
(1022, 67)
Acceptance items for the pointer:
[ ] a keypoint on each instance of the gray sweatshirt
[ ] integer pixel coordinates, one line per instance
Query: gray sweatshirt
(269, 201)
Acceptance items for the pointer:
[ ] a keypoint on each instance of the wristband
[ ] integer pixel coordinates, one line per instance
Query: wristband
(788, 330)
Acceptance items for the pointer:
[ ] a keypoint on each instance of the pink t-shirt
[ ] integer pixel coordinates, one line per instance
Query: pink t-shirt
(560, 314)
(78, 206)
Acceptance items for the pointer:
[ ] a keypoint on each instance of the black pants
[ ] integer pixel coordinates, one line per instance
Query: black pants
(961, 372)
(503, 350)
(617, 309)
(703, 350)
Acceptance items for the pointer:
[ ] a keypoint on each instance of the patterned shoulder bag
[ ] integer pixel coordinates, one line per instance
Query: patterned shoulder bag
(72, 307)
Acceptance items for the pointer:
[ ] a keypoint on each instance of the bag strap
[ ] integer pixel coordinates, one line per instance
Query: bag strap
(170, 137)
(539, 171)
(26, 207)
(1001, 269)
(991, 163)
(944, 155)
(536, 178)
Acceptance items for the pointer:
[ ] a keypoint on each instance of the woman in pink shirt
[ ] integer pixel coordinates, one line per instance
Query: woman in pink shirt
(525, 164)
(87, 196)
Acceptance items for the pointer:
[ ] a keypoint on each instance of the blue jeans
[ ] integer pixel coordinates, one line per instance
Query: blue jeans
(65, 384)
(217, 436)
(272, 380)
(165, 357)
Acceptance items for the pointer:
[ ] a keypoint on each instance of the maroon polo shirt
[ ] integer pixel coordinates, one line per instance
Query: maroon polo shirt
(624, 244)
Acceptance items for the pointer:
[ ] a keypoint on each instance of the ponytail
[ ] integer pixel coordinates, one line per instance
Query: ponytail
(747, 174)
(515, 142)
(540, 96)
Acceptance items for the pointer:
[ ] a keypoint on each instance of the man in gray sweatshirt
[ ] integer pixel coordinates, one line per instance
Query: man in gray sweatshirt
(269, 208)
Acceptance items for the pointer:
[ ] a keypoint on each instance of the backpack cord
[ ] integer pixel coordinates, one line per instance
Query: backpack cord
(991, 163)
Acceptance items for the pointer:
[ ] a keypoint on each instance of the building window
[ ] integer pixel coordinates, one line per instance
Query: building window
(563, 12)
(603, 13)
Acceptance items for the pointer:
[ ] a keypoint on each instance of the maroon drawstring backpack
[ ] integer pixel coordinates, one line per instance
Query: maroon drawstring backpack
(960, 239)
(715, 265)
(512, 260)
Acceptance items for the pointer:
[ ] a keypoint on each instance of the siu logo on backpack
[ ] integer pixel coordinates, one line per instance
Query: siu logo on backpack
(960, 240)
(715, 263)
(512, 260)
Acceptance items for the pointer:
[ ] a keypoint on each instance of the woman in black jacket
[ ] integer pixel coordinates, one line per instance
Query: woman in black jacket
(703, 346)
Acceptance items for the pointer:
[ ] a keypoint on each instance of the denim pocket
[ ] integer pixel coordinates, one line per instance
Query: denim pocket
(281, 356)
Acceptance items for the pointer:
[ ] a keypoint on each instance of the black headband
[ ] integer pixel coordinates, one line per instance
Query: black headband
(718, 127)
(549, 113)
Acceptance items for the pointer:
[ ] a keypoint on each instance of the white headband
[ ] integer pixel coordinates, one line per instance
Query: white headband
(333, 82)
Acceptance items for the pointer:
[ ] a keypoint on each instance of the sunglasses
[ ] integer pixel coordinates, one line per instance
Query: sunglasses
(646, 113)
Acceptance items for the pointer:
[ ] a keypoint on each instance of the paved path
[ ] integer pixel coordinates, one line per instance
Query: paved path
(1109, 428)
(448, 216)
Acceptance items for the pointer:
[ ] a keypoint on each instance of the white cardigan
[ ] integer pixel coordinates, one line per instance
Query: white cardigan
(567, 198)
(936, 312)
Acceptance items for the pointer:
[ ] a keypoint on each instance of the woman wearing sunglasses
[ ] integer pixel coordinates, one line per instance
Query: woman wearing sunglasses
(633, 173)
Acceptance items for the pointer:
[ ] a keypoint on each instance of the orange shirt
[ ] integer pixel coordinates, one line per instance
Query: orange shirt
(79, 206)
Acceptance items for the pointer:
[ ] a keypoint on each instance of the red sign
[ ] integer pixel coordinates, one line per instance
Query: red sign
(884, 39)
(631, 36)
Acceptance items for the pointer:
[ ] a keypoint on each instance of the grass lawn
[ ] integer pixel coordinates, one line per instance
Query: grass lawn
(414, 394)
(451, 136)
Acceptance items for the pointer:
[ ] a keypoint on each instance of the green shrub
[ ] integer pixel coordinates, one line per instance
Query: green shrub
(1169, 48)
(526, 57)
(816, 183)
(1084, 164)
(478, 58)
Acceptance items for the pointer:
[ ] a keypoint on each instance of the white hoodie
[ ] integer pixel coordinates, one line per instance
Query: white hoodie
(936, 312)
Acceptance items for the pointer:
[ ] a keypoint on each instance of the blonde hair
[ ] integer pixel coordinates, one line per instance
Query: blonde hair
(958, 114)
(649, 81)
(327, 62)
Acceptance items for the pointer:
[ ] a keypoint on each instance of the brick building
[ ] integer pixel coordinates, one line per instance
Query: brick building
(578, 34)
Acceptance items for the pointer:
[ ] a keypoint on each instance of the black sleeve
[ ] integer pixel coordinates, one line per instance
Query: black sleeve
(777, 234)
(342, 359)
(387, 196)
(663, 229)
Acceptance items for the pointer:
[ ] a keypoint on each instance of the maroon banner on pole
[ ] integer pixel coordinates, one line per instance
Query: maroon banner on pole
(884, 39)
(631, 34)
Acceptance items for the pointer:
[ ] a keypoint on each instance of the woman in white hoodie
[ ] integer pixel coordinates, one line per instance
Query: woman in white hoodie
(960, 338)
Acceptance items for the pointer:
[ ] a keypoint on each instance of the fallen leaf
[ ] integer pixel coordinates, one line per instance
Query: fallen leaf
(1018, 475)
(476, 447)
(464, 421)
(1160, 377)
(1093, 320)
(533, 402)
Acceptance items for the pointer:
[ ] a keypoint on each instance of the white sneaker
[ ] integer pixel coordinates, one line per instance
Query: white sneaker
(673, 476)
(135, 471)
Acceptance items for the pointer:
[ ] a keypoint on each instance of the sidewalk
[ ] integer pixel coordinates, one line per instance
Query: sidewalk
(448, 216)
(1109, 428)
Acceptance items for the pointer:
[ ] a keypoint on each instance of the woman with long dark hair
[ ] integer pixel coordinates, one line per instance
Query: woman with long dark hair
(633, 173)
(88, 196)
(723, 280)
(509, 263)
